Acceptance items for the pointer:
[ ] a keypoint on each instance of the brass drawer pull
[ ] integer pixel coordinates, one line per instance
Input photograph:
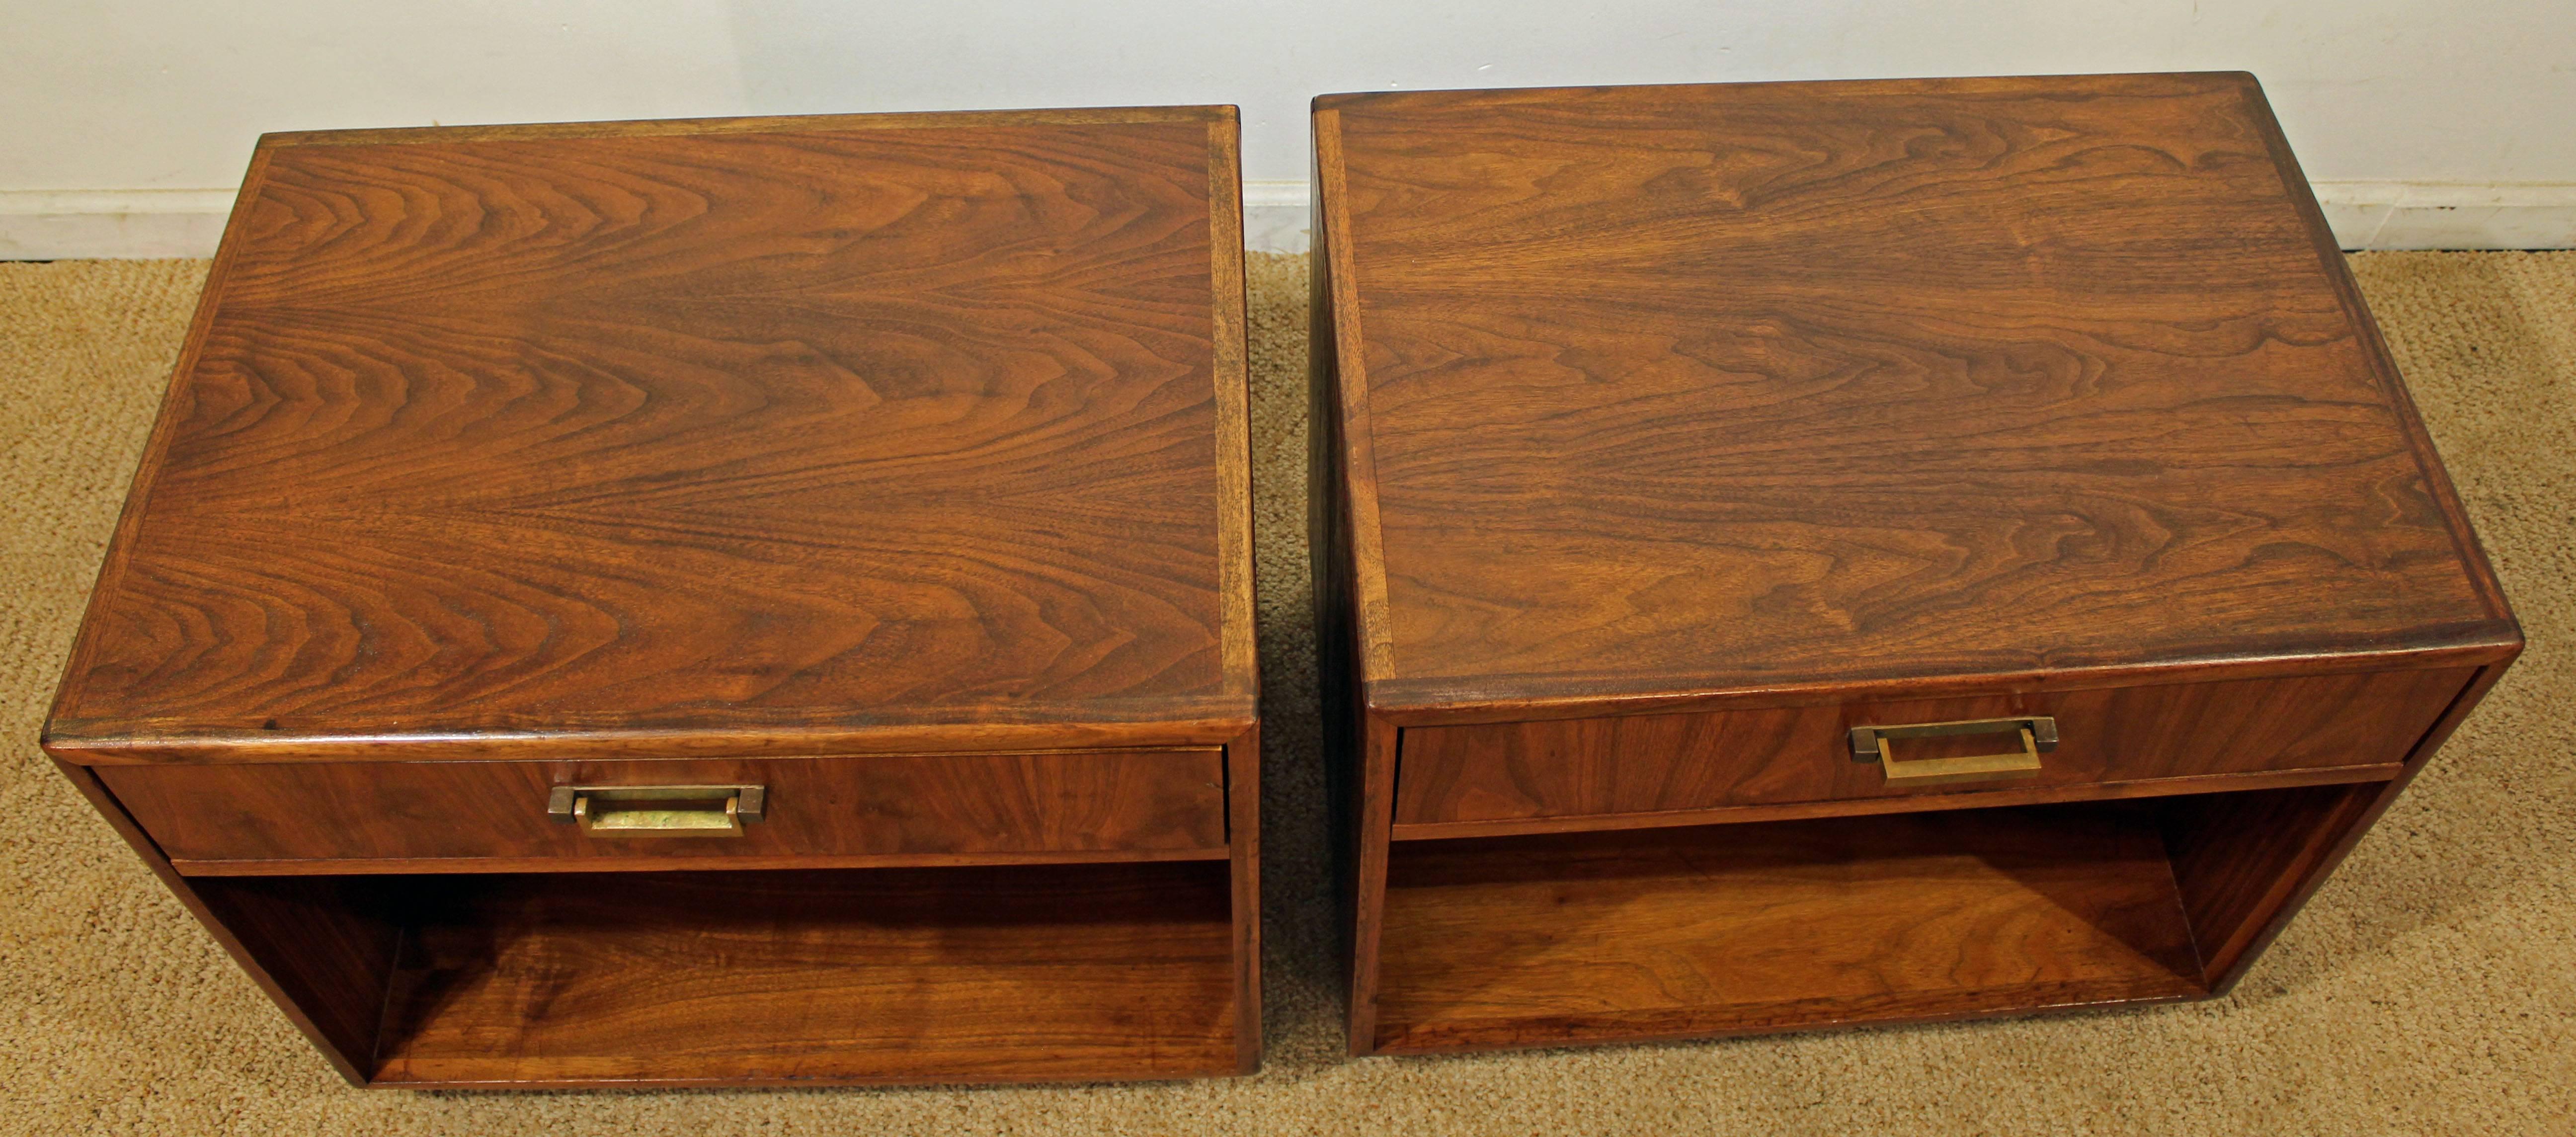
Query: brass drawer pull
(658, 811)
(2038, 735)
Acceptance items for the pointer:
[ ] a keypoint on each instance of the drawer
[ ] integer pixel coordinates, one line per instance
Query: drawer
(1649, 764)
(919, 809)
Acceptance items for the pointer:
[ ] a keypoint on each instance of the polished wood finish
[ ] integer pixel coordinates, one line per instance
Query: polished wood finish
(808, 429)
(1666, 433)
(1966, 797)
(2238, 856)
(960, 806)
(2317, 858)
(332, 1033)
(1580, 771)
(838, 977)
(328, 944)
(897, 463)
(1243, 827)
(1674, 932)
(781, 978)
(1643, 934)
(1678, 388)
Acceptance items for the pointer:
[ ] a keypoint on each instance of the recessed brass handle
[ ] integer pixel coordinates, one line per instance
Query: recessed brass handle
(658, 811)
(2038, 735)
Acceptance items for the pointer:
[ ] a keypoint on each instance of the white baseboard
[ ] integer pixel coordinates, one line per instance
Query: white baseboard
(2450, 215)
(1274, 217)
(2363, 214)
(59, 224)
(45, 225)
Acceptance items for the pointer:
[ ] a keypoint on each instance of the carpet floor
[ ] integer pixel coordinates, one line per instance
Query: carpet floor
(2429, 988)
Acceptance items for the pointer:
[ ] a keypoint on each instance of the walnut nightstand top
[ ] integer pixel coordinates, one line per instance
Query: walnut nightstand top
(803, 435)
(1655, 392)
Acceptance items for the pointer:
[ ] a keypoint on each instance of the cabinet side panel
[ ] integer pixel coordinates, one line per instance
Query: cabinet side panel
(2237, 857)
(2227, 961)
(342, 1047)
(1332, 553)
(329, 942)
(1328, 553)
(1243, 831)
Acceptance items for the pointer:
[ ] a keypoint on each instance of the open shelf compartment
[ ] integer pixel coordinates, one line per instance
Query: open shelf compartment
(1680, 932)
(1016, 973)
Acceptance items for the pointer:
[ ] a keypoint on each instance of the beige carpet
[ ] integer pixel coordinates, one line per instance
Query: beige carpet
(2430, 988)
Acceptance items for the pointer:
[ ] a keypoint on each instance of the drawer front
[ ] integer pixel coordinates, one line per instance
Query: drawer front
(1144, 802)
(1574, 768)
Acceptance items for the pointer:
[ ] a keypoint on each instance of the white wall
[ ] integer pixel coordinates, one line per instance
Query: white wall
(124, 122)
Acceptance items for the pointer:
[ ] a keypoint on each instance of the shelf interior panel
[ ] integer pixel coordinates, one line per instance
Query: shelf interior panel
(1020, 973)
(1674, 932)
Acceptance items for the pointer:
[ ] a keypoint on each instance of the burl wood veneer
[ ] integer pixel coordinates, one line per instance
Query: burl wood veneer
(876, 488)
(1668, 436)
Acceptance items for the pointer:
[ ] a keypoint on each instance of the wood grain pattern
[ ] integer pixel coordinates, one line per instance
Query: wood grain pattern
(2238, 858)
(679, 862)
(1663, 432)
(1682, 388)
(2378, 775)
(793, 428)
(1332, 453)
(324, 1017)
(1243, 837)
(1673, 932)
(2309, 870)
(898, 463)
(785, 978)
(327, 944)
(1640, 764)
(463, 813)
(1230, 358)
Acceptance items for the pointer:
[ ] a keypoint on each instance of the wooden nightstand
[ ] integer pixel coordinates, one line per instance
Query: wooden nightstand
(731, 601)
(1819, 553)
